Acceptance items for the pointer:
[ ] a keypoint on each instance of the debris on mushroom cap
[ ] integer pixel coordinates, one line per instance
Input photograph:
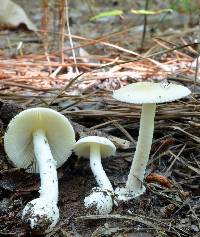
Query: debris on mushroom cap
(99, 201)
(18, 140)
(40, 215)
(82, 147)
(150, 92)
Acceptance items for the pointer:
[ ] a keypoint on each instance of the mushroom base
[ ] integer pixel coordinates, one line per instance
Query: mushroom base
(99, 201)
(40, 216)
(123, 194)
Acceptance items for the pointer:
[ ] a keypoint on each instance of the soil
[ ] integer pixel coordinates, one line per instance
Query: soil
(159, 212)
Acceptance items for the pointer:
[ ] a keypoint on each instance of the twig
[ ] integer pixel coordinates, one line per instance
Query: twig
(157, 224)
(65, 88)
(196, 73)
(174, 160)
(144, 26)
(62, 29)
(70, 37)
(45, 22)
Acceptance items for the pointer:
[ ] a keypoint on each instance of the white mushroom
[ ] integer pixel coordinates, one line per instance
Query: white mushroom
(147, 94)
(95, 148)
(99, 201)
(40, 140)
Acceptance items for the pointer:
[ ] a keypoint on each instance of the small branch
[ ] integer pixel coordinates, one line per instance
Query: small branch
(70, 37)
(45, 22)
(62, 28)
(155, 223)
(144, 27)
(196, 74)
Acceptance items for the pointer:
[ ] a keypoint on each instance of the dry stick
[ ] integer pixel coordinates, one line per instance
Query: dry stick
(128, 114)
(45, 21)
(157, 224)
(106, 37)
(130, 52)
(193, 137)
(197, 60)
(145, 26)
(166, 174)
(82, 98)
(148, 57)
(70, 37)
(140, 58)
(106, 66)
(53, 64)
(189, 48)
(62, 29)
(103, 124)
(65, 88)
(26, 86)
(124, 131)
(162, 41)
(93, 41)
(197, 162)
(196, 74)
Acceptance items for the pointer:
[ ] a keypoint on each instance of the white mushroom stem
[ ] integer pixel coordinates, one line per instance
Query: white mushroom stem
(97, 169)
(137, 171)
(42, 214)
(47, 166)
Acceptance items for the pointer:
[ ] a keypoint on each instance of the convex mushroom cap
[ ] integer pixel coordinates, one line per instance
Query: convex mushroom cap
(150, 92)
(18, 140)
(83, 146)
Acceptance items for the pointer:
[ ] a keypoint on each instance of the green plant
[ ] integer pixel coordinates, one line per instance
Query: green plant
(106, 14)
(186, 6)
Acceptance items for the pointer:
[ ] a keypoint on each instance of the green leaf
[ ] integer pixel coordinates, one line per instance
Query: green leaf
(107, 13)
(150, 12)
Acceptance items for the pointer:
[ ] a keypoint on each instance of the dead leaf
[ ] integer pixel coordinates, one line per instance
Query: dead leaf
(12, 15)
(157, 178)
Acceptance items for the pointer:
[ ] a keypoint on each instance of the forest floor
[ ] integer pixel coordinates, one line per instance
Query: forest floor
(108, 55)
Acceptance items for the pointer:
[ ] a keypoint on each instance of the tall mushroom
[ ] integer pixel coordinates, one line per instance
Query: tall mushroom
(95, 148)
(147, 94)
(40, 140)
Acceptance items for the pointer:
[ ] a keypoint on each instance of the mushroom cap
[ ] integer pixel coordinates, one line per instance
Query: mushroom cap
(82, 146)
(18, 139)
(150, 92)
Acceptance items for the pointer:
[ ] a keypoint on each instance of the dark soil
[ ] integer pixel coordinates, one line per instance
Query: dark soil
(159, 212)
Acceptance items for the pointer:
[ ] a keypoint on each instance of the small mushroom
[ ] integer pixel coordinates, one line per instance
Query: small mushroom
(147, 94)
(40, 140)
(95, 148)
